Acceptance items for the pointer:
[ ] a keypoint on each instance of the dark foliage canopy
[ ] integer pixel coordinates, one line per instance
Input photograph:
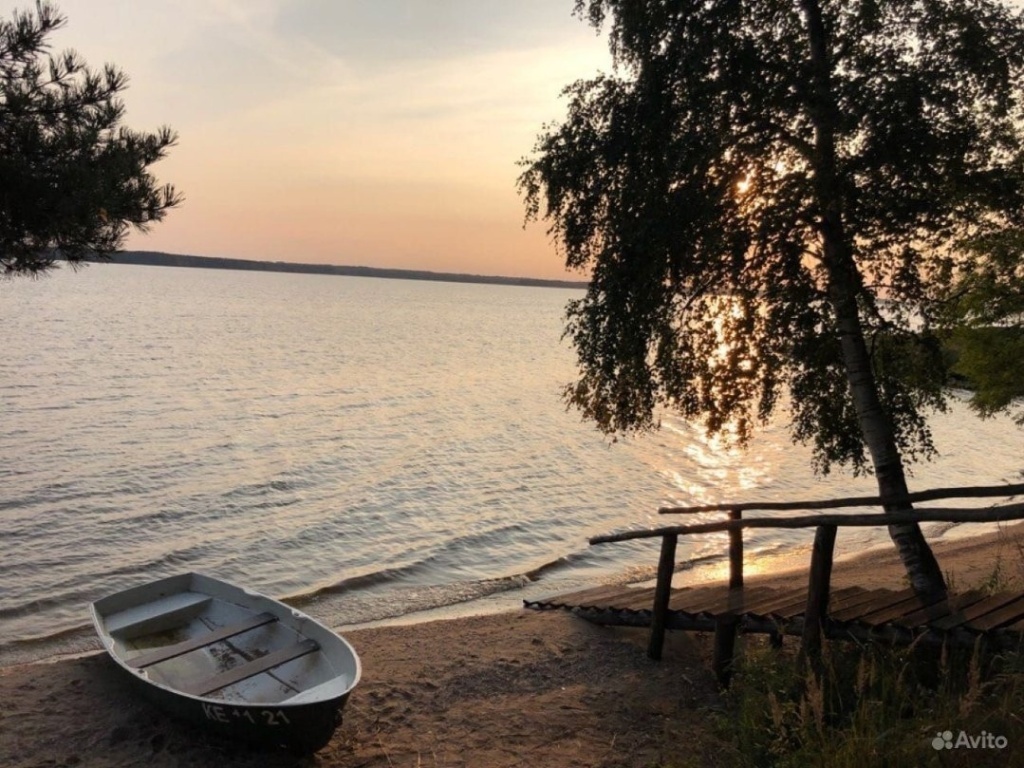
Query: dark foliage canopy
(985, 322)
(72, 179)
(700, 184)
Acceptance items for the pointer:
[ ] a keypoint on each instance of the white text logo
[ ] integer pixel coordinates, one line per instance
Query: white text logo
(986, 740)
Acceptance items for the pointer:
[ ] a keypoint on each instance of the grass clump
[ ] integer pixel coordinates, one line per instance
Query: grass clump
(875, 706)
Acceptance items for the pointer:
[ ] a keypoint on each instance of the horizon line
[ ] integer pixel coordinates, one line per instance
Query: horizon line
(162, 258)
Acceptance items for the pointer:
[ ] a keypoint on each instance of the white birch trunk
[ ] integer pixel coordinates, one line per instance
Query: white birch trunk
(843, 280)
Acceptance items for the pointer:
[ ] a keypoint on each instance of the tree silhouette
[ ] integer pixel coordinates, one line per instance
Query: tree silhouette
(72, 179)
(773, 198)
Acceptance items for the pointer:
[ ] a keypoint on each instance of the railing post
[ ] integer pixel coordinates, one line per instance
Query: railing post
(818, 587)
(662, 593)
(735, 552)
(727, 624)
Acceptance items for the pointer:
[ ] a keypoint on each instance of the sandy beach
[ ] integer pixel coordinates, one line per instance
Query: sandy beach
(513, 689)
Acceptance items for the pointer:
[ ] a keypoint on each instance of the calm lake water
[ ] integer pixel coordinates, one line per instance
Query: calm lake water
(371, 448)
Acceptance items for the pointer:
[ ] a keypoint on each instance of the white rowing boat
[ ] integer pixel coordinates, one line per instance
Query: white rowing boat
(238, 662)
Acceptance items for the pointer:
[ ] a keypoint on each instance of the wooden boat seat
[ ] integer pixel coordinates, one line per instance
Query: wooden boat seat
(250, 669)
(185, 646)
(156, 616)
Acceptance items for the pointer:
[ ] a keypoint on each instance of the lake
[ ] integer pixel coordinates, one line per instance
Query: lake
(369, 448)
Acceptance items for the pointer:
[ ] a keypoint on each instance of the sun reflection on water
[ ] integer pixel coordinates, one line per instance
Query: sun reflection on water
(767, 562)
(709, 468)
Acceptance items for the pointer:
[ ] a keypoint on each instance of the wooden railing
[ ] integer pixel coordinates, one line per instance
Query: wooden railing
(819, 581)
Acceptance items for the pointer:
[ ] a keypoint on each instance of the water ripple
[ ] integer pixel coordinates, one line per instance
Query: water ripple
(370, 447)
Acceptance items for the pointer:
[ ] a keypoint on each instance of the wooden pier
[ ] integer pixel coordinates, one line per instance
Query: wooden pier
(865, 614)
(812, 611)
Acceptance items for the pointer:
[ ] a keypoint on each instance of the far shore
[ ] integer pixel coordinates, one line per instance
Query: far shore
(510, 689)
(158, 259)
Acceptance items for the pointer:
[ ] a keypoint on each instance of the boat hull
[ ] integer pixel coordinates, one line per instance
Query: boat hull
(302, 730)
(237, 663)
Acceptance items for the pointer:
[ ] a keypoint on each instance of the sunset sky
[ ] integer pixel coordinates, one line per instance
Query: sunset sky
(363, 132)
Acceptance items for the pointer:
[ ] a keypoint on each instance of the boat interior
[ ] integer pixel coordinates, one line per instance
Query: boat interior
(210, 647)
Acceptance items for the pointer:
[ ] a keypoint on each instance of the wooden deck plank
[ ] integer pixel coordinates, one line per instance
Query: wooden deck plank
(591, 597)
(637, 600)
(867, 601)
(700, 600)
(1008, 614)
(723, 600)
(795, 606)
(927, 614)
(974, 612)
(900, 605)
(779, 598)
(859, 597)
(873, 611)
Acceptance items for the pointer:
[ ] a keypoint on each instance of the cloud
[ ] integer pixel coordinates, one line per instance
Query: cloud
(375, 33)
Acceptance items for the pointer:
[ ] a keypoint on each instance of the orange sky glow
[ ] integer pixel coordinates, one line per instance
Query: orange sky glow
(361, 132)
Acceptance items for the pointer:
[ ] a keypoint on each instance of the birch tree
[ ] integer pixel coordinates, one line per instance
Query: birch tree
(772, 199)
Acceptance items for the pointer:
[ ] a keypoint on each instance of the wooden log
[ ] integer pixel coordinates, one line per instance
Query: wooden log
(935, 494)
(818, 587)
(662, 593)
(936, 515)
(736, 552)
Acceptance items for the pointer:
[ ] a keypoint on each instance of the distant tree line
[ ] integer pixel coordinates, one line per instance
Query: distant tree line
(155, 258)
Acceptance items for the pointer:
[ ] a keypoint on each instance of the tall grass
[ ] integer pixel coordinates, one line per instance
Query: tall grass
(874, 706)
